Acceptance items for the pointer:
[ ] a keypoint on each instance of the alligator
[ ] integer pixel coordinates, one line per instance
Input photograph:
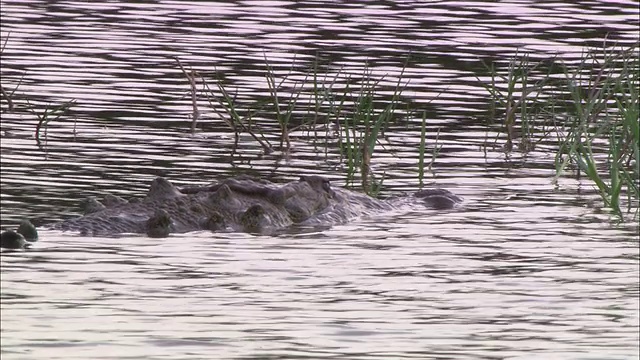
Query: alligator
(243, 203)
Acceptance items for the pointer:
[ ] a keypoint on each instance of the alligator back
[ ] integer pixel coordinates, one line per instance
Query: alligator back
(236, 204)
(215, 207)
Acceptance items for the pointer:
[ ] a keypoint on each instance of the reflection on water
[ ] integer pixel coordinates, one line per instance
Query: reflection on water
(525, 269)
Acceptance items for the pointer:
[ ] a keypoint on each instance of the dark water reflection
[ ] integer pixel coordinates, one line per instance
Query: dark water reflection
(525, 269)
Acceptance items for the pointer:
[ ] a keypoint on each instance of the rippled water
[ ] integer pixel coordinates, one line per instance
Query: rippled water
(524, 269)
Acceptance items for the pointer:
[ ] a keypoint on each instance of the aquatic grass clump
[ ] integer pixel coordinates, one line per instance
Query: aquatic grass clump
(44, 116)
(359, 110)
(593, 107)
(526, 96)
(231, 116)
(604, 90)
(363, 125)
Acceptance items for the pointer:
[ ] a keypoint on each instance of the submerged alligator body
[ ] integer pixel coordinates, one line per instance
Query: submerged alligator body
(237, 204)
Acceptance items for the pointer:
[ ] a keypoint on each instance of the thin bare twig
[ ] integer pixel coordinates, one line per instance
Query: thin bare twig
(194, 97)
(8, 97)
(5, 42)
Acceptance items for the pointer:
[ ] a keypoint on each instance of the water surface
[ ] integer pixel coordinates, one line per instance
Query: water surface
(526, 268)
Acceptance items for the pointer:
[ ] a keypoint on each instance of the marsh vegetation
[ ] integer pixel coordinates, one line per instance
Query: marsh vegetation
(588, 108)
